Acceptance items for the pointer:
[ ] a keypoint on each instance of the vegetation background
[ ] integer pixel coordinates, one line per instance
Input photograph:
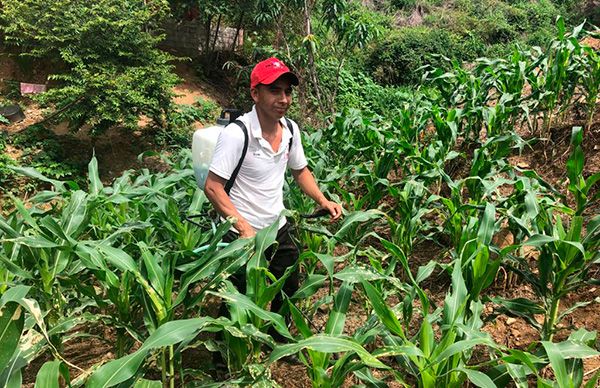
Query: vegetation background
(461, 137)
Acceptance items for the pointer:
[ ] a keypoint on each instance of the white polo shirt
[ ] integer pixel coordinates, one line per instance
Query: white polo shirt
(257, 192)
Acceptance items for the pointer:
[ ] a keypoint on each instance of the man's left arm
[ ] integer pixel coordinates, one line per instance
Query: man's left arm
(307, 183)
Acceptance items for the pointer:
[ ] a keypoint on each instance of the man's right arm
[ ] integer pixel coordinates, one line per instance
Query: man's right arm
(214, 188)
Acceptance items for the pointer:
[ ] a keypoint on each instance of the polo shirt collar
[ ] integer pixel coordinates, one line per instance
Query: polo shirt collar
(256, 130)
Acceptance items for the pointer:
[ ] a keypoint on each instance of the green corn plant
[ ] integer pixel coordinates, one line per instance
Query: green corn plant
(410, 122)
(41, 252)
(557, 77)
(315, 348)
(506, 80)
(364, 146)
(351, 231)
(24, 337)
(579, 186)
(408, 219)
(475, 253)
(529, 207)
(412, 290)
(448, 124)
(244, 340)
(462, 221)
(249, 308)
(565, 359)
(565, 258)
(428, 165)
(130, 288)
(508, 76)
(128, 368)
(527, 210)
(318, 360)
(489, 161)
(498, 120)
(462, 88)
(589, 71)
(429, 362)
(355, 357)
(156, 280)
(374, 177)
(157, 277)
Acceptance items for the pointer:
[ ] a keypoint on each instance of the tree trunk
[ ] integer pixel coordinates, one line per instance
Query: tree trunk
(312, 68)
(214, 44)
(207, 24)
(238, 28)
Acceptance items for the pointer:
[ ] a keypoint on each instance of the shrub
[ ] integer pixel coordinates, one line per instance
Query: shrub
(496, 30)
(359, 91)
(540, 15)
(43, 151)
(403, 4)
(397, 60)
(113, 71)
(5, 161)
(182, 118)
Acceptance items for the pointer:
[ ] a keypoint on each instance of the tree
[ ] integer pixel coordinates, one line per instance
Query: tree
(113, 71)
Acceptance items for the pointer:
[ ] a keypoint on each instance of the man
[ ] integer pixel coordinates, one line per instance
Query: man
(256, 197)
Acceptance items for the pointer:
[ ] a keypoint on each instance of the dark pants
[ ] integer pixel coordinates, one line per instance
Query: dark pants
(285, 256)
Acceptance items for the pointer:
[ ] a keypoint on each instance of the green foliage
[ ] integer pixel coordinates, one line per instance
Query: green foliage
(579, 186)
(463, 30)
(5, 162)
(496, 21)
(113, 71)
(359, 91)
(406, 5)
(398, 59)
(43, 151)
(122, 255)
(181, 119)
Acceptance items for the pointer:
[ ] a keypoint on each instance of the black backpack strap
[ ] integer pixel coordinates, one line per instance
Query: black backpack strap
(291, 128)
(229, 183)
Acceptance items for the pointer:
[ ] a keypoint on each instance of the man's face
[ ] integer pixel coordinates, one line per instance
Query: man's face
(273, 100)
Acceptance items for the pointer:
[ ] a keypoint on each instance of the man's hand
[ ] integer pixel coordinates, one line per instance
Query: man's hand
(247, 232)
(307, 183)
(334, 209)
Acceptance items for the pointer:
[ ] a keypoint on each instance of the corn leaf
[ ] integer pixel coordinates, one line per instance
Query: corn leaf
(385, 314)
(486, 225)
(11, 327)
(49, 374)
(93, 176)
(122, 369)
(478, 378)
(310, 286)
(356, 217)
(357, 274)
(143, 383)
(155, 272)
(559, 353)
(455, 301)
(337, 316)
(327, 344)
(244, 303)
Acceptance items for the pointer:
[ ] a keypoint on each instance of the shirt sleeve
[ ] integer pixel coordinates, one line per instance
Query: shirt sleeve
(297, 159)
(228, 151)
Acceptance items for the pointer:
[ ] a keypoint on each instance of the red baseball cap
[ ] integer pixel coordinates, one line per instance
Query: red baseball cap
(268, 71)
